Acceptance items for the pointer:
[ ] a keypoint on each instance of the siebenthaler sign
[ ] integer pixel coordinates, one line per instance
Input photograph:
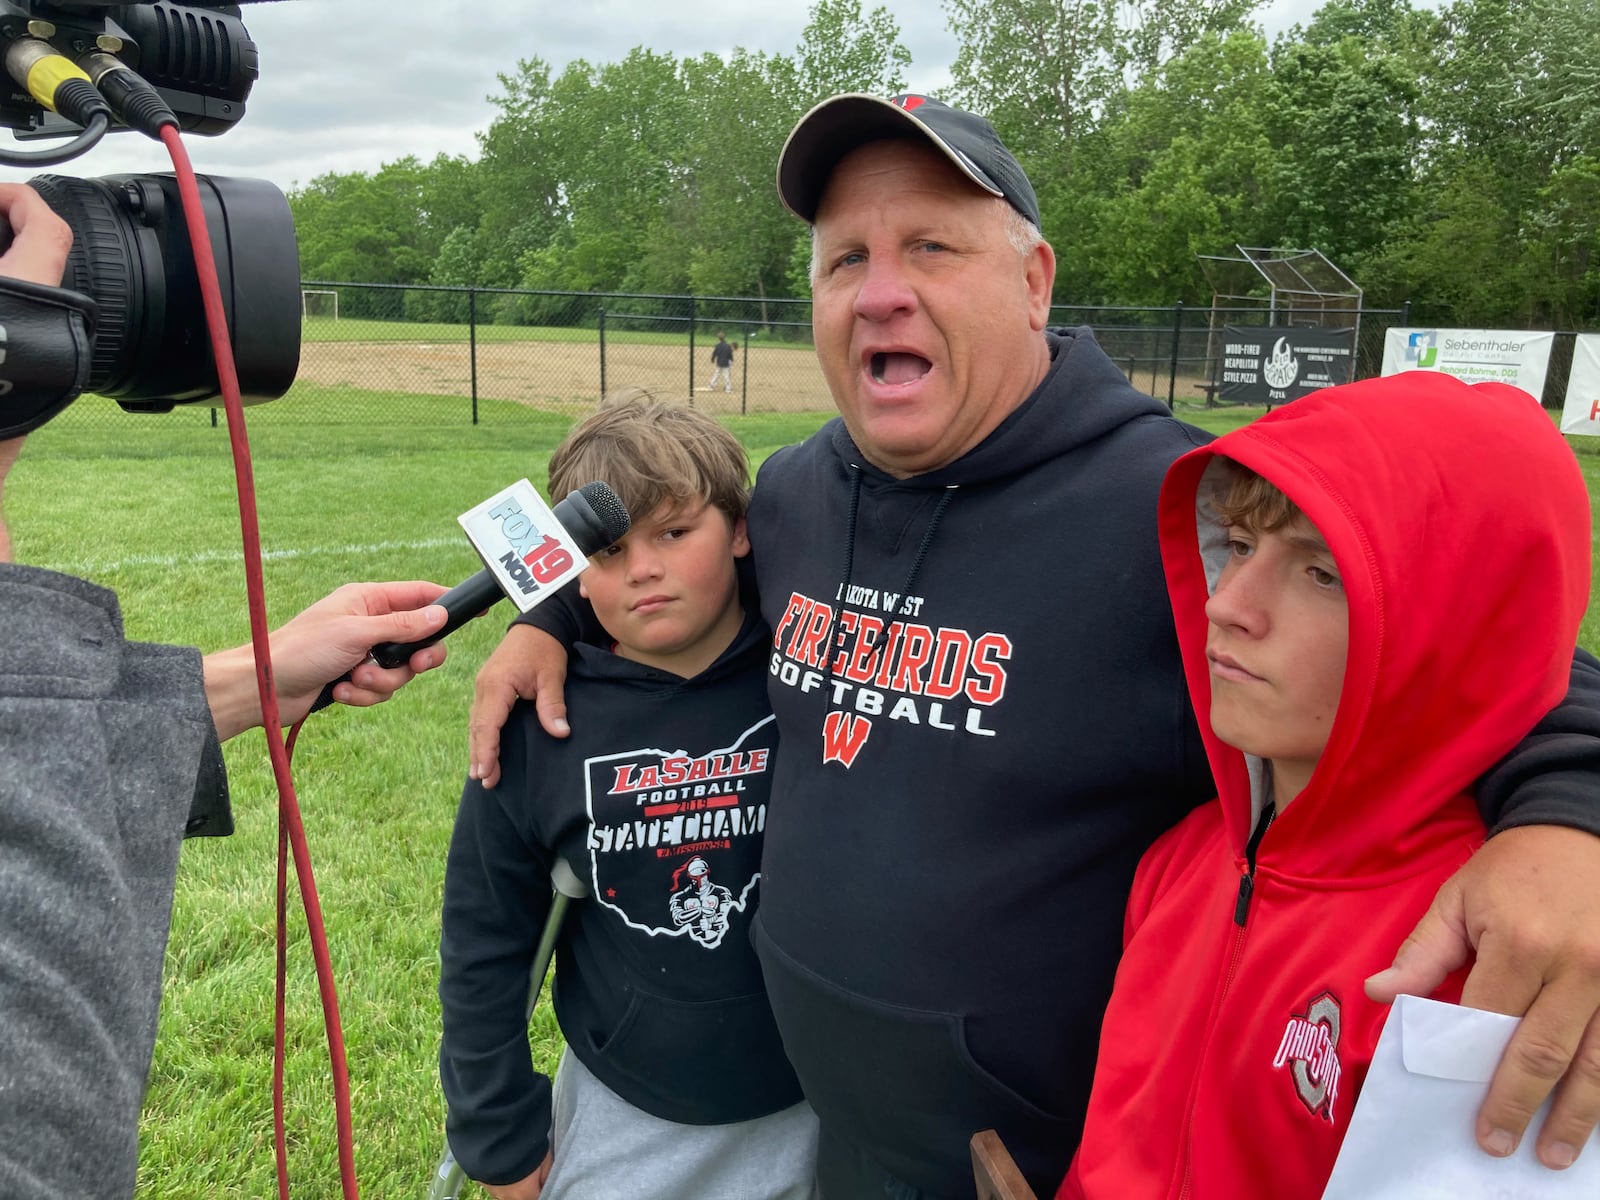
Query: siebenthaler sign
(1513, 356)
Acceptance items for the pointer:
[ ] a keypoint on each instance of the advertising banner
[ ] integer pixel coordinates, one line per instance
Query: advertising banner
(1581, 413)
(1513, 356)
(1274, 364)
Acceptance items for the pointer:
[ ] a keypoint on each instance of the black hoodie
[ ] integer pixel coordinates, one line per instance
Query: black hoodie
(960, 815)
(657, 801)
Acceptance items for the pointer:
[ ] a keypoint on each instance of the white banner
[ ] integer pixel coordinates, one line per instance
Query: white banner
(1581, 413)
(1472, 355)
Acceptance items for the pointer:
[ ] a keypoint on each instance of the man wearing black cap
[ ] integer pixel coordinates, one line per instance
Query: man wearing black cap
(976, 678)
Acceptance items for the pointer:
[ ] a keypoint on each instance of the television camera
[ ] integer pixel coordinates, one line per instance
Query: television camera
(148, 63)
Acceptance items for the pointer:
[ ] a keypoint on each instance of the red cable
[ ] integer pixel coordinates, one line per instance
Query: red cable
(280, 1141)
(288, 806)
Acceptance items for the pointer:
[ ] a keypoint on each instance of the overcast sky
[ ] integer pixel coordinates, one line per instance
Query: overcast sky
(348, 85)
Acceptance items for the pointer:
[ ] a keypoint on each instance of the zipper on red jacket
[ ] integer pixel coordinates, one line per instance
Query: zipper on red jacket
(1247, 881)
(1241, 906)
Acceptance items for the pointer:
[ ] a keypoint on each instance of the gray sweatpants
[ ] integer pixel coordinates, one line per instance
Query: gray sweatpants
(606, 1149)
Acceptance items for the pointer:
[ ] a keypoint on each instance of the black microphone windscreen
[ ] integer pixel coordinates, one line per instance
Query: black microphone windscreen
(595, 517)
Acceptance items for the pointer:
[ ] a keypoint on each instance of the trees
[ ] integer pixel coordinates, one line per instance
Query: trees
(1441, 157)
(383, 228)
(1059, 79)
(1341, 116)
(743, 240)
(1045, 71)
(1444, 157)
(1504, 220)
(654, 175)
(622, 132)
(519, 188)
(1565, 243)
(740, 237)
(842, 50)
(1181, 165)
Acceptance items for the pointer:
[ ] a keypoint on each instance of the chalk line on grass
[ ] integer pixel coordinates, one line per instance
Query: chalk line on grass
(94, 566)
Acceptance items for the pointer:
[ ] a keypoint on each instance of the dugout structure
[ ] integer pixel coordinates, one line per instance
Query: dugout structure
(1276, 287)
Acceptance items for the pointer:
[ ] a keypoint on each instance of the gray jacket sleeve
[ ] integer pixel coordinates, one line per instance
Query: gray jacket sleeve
(101, 747)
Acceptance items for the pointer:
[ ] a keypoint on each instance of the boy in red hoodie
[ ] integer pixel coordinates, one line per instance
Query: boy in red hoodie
(1377, 590)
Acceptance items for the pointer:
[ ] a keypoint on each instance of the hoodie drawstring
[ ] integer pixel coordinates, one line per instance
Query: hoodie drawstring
(849, 567)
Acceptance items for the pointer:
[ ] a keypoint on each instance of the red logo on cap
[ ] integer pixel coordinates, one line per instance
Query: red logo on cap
(909, 102)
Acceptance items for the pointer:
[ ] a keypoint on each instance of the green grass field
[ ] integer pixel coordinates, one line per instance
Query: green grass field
(146, 505)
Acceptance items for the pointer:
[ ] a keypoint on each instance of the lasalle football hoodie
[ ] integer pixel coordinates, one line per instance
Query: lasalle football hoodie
(1238, 1035)
(658, 801)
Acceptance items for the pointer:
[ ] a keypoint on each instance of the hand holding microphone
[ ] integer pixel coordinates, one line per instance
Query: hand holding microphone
(334, 631)
(531, 551)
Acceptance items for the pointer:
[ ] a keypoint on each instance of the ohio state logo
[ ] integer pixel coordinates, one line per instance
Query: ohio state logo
(1310, 1049)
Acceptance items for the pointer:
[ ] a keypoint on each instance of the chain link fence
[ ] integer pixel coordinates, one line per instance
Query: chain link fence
(1559, 371)
(450, 355)
(557, 351)
(563, 350)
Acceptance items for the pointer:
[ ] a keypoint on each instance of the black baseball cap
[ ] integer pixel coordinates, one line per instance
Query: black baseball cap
(841, 123)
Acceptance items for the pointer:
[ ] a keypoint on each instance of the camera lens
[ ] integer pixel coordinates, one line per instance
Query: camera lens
(131, 255)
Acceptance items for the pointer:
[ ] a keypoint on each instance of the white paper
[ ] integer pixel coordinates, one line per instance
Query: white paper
(1411, 1135)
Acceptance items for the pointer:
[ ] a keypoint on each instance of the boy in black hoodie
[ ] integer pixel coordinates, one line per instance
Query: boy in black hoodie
(674, 1082)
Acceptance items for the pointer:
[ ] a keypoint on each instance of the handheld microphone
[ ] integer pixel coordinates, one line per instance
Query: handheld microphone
(530, 552)
(592, 515)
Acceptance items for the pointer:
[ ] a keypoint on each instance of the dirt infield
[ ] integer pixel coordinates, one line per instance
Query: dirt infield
(558, 375)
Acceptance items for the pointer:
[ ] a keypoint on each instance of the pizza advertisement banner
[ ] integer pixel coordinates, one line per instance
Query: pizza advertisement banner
(1274, 364)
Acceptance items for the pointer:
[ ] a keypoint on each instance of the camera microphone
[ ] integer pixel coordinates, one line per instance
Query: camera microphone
(530, 551)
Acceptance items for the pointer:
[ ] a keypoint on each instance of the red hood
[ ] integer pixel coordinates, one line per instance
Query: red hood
(1459, 520)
